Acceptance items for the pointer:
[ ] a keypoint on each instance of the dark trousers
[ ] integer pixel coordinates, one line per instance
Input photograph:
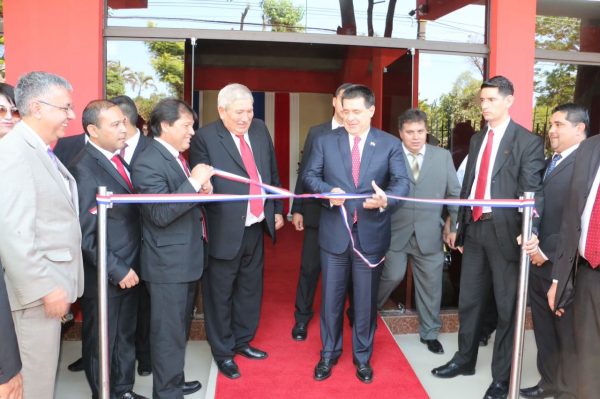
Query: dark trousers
(142, 333)
(554, 337)
(122, 313)
(587, 332)
(310, 269)
(337, 269)
(485, 270)
(232, 295)
(171, 307)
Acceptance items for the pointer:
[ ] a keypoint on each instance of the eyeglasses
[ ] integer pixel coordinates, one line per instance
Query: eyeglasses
(13, 111)
(66, 108)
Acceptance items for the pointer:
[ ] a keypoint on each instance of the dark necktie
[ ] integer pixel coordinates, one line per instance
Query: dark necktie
(414, 166)
(355, 169)
(256, 205)
(553, 163)
(592, 243)
(121, 169)
(482, 176)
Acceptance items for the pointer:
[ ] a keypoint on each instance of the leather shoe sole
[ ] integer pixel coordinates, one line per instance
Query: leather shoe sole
(433, 345)
(299, 332)
(252, 353)
(451, 370)
(189, 387)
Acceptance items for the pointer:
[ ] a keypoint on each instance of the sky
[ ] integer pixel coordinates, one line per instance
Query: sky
(437, 72)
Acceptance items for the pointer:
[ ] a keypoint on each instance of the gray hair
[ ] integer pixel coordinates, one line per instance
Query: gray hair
(232, 93)
(33, 85)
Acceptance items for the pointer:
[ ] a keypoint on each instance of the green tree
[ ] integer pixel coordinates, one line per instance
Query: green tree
(117, 76)
(141, 81)
(146, 105)
(167, 60)
(282, 15)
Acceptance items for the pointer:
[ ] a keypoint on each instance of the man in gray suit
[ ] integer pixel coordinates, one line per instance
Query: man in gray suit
(40, 239)
(417, 228)
(11, 381)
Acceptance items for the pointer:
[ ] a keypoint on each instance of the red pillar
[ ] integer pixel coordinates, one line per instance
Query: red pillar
(62, 37)
(512, 51)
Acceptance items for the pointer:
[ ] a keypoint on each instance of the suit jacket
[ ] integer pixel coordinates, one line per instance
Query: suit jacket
(92, 169)
(310, 208)
(330, 166)
(67, 148)
(437, 179)
(172, 249)
(40, 238)
(587, 162)
(139, 148)
(554, 188)
(10, 361)
(518, 168)
(214, 145)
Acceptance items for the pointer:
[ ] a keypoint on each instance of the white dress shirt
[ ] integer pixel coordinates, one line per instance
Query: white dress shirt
(132, 143)
(175, 154)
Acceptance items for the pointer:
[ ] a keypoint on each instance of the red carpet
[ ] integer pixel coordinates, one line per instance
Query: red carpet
(288, 371)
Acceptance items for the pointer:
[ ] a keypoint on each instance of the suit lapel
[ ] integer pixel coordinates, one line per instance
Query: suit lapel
(257, 149)
(171, 160)
(504, 148)
(427, 163)
(594, 164)
(230, 145)
(142, 142)
(344, 146)
(472, 161)
(560, 167)
(408, 163)
(107, 165)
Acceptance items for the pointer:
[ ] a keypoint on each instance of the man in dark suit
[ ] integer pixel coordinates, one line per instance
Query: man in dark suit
(556, 359)
(417, 228)
(67, 148)
(305, 217)
(99, 164)
(233, 281)
(11, 382)
(354, 159)
(172, 248)
(505, 160)
(576, 271)
(135, 143)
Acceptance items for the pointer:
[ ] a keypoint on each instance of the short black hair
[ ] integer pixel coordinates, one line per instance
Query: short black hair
(575, 114)
(128, 108)
(168, 110)
(8, 92)
(360, 91)
(504, 86)
(412, 115)
(92, 111)
(342, 88)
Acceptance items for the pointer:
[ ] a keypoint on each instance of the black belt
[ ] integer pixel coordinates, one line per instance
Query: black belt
(583, 262)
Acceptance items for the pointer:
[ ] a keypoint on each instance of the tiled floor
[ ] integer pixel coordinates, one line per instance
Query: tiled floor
(199, 366)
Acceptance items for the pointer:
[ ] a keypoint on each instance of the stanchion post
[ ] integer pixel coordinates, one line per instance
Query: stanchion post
(104, 368)
(519, 334)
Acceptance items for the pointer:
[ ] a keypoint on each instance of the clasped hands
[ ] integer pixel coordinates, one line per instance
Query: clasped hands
(377, 201)
(201, 174)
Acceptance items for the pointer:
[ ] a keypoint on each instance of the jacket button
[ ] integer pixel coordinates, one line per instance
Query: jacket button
(570, 259)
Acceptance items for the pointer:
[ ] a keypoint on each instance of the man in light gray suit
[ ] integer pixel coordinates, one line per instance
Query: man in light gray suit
(40, 239)
(417, 228)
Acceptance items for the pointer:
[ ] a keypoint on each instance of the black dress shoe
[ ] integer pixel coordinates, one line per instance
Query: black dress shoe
(77, 365)
(497, 390)
(228, 368)
(144, 370)
(131, 395)
(451, 370)
(299, 331)
(483, 340)
(537, 392)
(189, 387)
(323, 368)
(364, 372)
(433, 345)
(252, 353)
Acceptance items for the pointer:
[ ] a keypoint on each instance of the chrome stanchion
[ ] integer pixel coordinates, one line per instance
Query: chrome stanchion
(517, 356)
(104, 368)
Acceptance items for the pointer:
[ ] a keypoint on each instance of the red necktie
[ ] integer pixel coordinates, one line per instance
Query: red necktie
(121, 169)
(256, 205)
(186, 170)
(483, 175)
(592, 243)
(355, 169)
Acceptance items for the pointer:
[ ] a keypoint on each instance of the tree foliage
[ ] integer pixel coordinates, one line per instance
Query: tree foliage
(146, 105)
(557, 33)
(282, 15)
(167, 61)
(116, 76)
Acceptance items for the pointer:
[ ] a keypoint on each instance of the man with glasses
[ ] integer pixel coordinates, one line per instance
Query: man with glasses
(40, 239)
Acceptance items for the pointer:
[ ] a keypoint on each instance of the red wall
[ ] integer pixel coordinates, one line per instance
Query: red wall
(512, 51)
(59, 36)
